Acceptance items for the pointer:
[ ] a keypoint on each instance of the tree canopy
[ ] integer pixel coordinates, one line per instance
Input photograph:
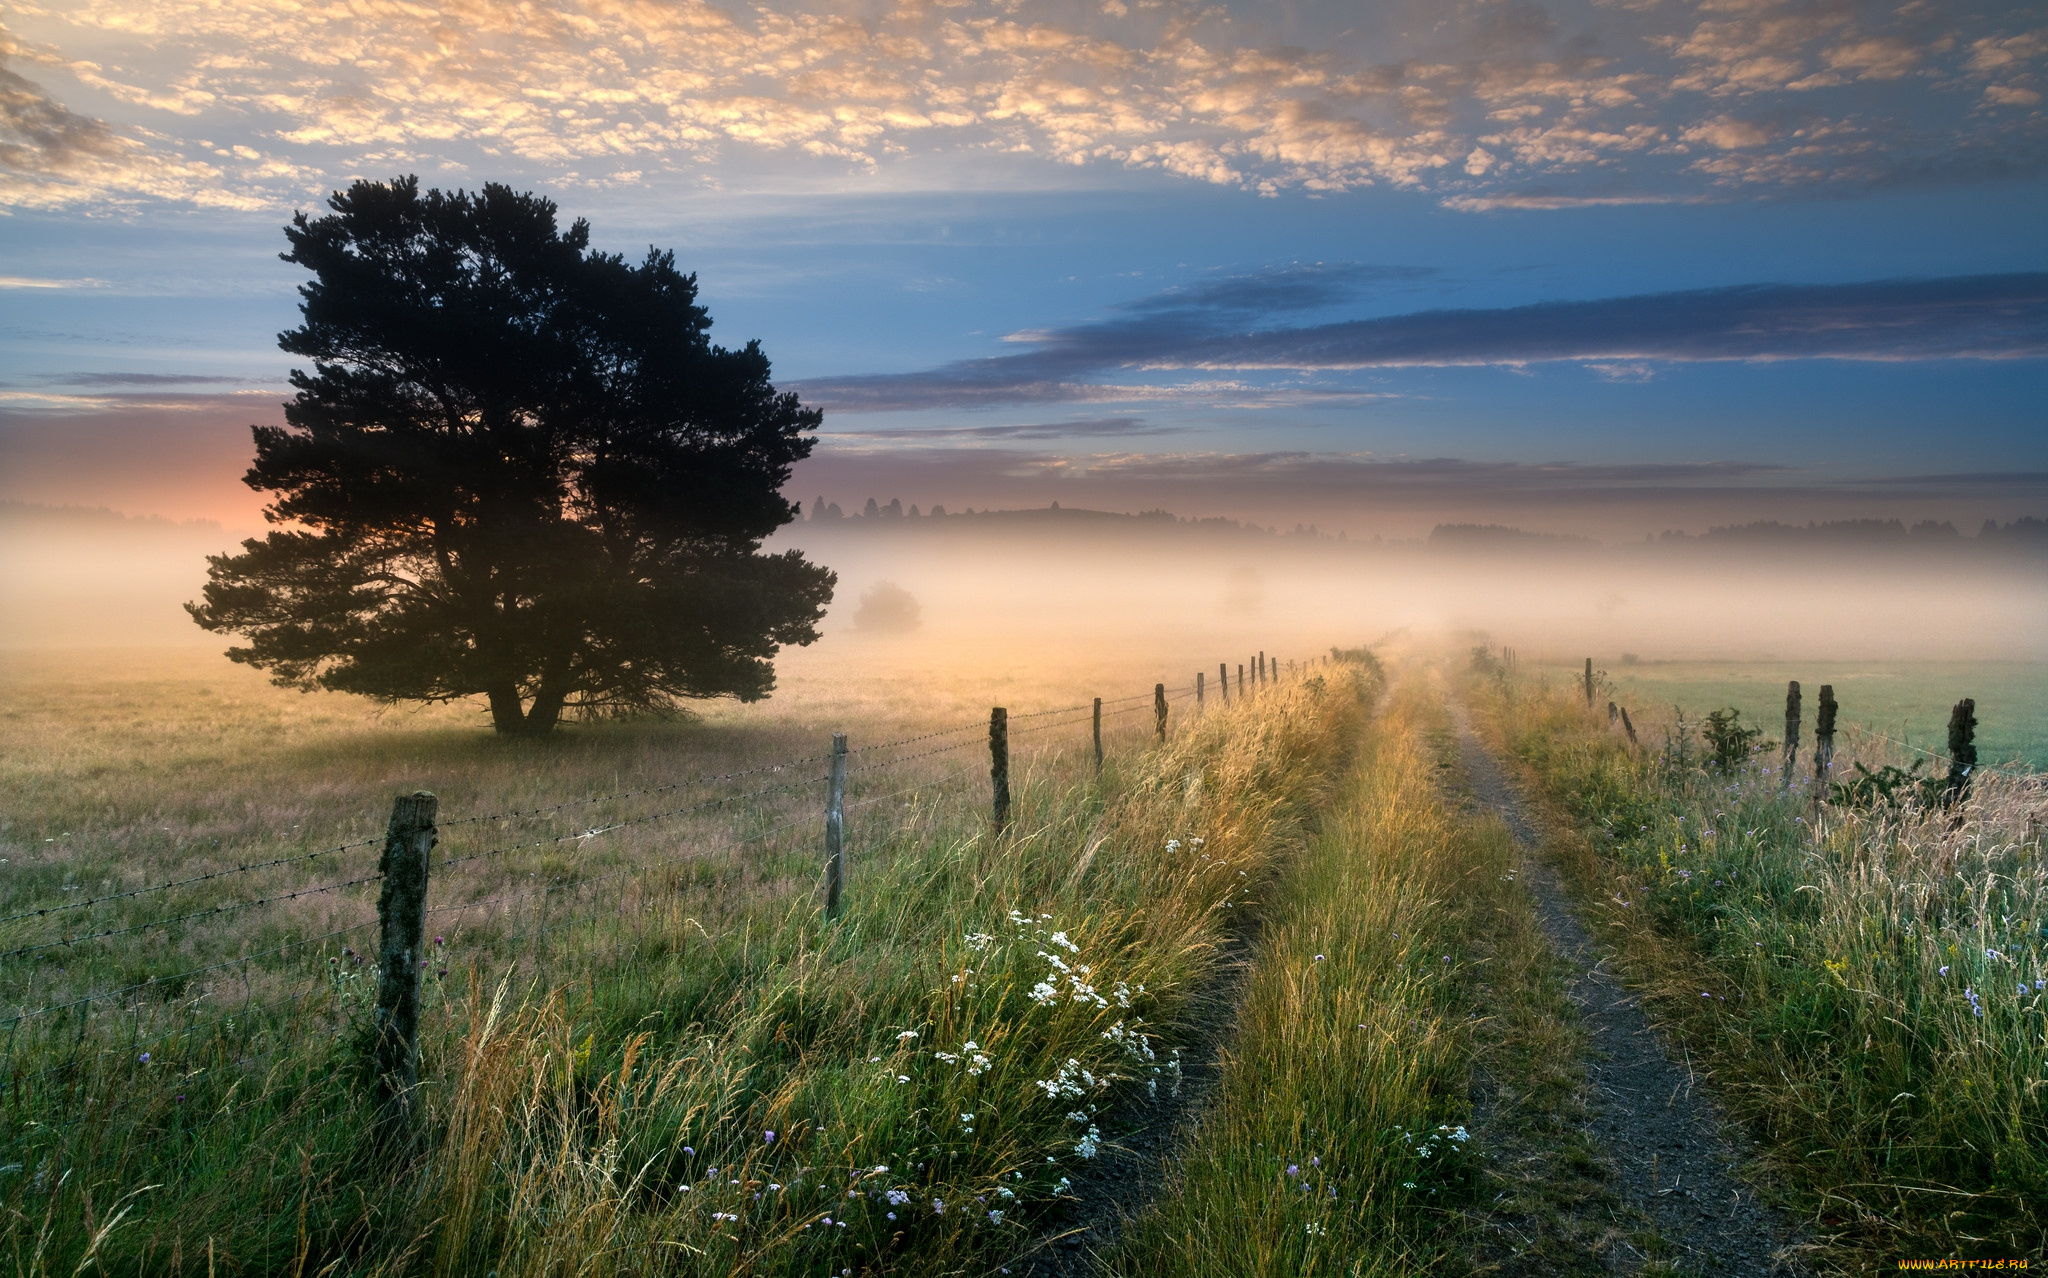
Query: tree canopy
(517, 469)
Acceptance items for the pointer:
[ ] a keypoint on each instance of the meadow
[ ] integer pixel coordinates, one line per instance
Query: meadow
(1277, 953)
(1908, 701)
(1861, 982)
(644, 1047)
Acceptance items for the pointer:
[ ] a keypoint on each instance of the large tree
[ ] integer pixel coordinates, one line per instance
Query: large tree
(519, 470)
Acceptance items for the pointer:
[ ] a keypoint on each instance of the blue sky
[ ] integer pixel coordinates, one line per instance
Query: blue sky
(1604, 267)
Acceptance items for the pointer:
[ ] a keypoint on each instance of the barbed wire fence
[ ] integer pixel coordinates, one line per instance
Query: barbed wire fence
(57, 1031)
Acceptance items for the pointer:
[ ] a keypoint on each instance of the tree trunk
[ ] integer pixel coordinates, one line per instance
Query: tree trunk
(547, 706)
(506, 718)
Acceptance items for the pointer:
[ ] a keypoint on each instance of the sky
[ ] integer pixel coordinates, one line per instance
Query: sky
(1608, 267)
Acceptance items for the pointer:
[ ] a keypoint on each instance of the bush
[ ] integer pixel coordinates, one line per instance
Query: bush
(888, 608)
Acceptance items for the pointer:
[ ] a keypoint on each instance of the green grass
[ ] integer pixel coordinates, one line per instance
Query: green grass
(1337, 1140)
(1907, 700)
(1829, 966)
(591, 1052)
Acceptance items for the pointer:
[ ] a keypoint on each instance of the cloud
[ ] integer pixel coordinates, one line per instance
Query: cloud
(1968, 317)
(38, 282)
(1118, 427)
(51, 156)
(1474, 100)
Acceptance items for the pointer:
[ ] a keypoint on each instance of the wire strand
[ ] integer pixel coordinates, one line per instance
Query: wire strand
(186, 882)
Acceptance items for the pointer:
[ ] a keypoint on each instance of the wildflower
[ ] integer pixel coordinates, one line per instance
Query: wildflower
(1293, 1169)
(439, 941)
(1044, 992)
(682, 1189)
(892, 1215)
(1992, 954)
(1319, 958)
(938, 1207)
(1944, 969)
(144, 1058)
(897, 1197)
(903, 1078)
(906, 1036)
(995, 1218)
(1087, 1145)
(724, 1215)
(881, 1169)
(768, 1138)
(1316, 1161)
(691, 1153)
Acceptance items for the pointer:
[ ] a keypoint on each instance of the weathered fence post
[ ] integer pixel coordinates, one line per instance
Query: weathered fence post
(1098, 734)
(835, 828)
(1628, 727)
(1824, 735)
(1223, 680)
(999, 764)
(1589, 683)
(1263, 680)
(1198, 692)
(1962, 751)
(1240, 680)
(1613, 713)
(402, 921)
(1791, 727)
(1159, 710)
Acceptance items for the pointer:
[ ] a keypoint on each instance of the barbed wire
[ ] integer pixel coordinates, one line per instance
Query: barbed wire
(897, 762)
(708, 779)
(229, 908)
(596, 831)
(926, 736)
(186, 882)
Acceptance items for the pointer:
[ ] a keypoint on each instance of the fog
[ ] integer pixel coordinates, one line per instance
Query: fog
(1057, 586)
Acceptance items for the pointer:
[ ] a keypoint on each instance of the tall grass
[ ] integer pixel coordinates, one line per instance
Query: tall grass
(695, 1073)
(1871, 984)
(1336, 1140)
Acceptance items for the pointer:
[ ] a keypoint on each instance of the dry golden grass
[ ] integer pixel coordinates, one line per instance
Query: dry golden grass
(646, 1005)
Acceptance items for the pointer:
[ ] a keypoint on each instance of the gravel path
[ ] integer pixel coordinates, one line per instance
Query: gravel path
(1675, 1157)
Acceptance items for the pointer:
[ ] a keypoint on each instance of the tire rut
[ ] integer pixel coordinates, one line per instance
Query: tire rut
(1675, 1159)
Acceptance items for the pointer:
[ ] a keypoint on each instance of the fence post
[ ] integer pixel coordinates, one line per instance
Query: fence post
(1159, 710)
(1589, 683)
(999, 764)
(1223, 680)
(1824, 734)
(1263, 680)
(835, 828)
(1613, 713)
(1791, 727)
(401, 921)
(1628, 727)
(1240, 679)
(1098, 736)
(1962, 751)
(1198, 692)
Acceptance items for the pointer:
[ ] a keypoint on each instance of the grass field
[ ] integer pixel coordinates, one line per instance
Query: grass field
(1863, 986)
(1906, 700)
(644, 1049)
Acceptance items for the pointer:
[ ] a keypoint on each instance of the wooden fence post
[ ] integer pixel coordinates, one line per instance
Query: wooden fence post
(1589, 683)
(1159, 710)
(1240, 680)
(1223, 680)
(1613, 713)
(835, 828)
(1824, 734)
(1791, 728)
(1098, 735)
(1263, 680)
(402, 921)
(999, 764)
(1628, 727)
(1962, 751)
(1198, 692)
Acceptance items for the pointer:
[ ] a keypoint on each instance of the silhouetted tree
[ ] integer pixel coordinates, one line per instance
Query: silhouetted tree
(518, 469)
